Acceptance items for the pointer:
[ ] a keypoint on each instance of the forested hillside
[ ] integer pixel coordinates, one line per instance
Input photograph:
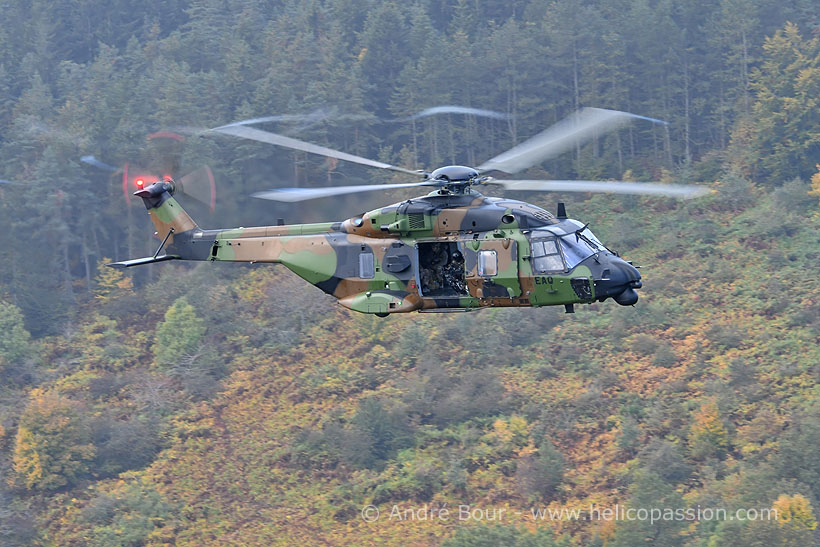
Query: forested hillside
(229, 404)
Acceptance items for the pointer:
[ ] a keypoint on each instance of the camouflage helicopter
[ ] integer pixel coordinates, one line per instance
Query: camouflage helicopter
(450, 250)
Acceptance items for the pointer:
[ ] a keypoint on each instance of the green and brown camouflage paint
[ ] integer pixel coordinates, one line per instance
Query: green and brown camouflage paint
(330, 255)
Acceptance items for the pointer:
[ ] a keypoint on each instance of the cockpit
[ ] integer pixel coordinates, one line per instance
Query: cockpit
(561, 247)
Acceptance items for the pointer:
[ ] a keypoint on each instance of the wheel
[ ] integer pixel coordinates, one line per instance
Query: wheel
(382, 314)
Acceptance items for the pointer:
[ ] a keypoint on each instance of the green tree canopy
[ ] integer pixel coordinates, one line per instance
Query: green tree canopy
(15, 339)
(179, 336)
(787, 85)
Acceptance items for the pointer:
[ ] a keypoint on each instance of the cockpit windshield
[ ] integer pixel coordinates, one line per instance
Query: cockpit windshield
(554, 249)
(588, 237)
(575, 251)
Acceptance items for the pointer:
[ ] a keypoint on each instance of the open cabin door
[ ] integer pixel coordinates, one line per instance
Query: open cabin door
(491, 268)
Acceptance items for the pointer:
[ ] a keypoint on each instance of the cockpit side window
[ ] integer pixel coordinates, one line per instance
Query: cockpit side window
(546, 256)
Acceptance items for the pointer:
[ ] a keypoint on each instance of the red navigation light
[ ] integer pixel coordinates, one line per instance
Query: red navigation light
(140, 183)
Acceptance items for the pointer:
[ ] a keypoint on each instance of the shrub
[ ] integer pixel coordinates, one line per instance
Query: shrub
(539, 475)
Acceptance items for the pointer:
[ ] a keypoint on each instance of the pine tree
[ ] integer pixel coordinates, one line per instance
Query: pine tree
(787, 88)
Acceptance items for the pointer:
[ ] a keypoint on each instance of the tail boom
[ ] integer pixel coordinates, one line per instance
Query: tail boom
(304, 248)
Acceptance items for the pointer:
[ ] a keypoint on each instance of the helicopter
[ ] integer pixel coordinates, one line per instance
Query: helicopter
(452, 249)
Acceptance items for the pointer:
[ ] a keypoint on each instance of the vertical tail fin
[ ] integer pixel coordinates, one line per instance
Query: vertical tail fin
(173, 225)
(165, 211)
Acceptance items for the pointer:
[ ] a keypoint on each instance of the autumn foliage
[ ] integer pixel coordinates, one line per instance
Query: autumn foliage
(227, 404)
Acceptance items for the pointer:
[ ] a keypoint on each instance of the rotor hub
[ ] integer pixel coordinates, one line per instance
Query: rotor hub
(454, 173)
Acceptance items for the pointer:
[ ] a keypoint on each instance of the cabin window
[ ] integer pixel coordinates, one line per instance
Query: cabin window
(487, 263)
(546, 257)
(367, 266)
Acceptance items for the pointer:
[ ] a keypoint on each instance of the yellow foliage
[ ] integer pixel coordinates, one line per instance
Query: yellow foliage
(514, 431)
(53, 445)
(520, 430)
(708, 436)
(104, 346)
(795, 512)
(815, 182)
(75, 381)
(110, 281)
(501, 431)
(742, 151)
(27, 462)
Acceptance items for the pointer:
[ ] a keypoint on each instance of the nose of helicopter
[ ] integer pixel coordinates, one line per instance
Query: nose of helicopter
(619, 279)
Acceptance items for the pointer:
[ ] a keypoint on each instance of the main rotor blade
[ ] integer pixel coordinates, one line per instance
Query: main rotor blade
(280, 140)
(684, 191)
(323, 114)
(559, 138)
(452, 109)
(317, 115)
(91, 160)
(301, 194)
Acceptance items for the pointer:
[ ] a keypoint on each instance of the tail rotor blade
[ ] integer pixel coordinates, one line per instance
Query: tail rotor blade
(199, 184)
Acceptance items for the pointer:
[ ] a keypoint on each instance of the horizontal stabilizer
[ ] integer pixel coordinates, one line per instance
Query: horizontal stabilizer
(141, 261)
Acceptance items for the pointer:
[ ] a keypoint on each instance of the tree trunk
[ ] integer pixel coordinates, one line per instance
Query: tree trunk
(687, 156)
(745, 73)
